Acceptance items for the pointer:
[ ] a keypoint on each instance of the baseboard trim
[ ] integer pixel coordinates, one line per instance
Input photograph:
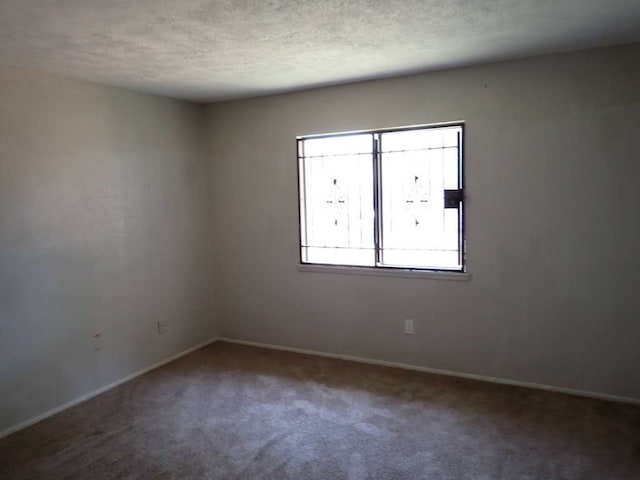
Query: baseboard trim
(437, 371)
(83, 398)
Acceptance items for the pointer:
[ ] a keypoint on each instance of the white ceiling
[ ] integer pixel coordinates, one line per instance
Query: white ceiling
(208, 50)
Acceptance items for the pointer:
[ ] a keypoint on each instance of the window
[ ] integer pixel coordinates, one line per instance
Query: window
(383, 199)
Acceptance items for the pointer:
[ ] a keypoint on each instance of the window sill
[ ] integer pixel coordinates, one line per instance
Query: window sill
(385, 272)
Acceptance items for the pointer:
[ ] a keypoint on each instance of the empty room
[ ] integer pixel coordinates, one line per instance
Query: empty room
(273, 239)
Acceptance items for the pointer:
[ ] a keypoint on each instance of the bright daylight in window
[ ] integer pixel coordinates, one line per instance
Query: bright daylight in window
(387, 198)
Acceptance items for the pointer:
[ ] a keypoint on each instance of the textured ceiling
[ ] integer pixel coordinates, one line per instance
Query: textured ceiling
(207, 50)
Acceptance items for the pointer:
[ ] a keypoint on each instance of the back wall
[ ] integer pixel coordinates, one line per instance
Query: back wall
(551, 171)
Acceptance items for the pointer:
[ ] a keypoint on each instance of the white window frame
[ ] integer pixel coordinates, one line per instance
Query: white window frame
(460, 273)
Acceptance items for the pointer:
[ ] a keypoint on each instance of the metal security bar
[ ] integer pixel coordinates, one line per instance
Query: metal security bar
(390, 198)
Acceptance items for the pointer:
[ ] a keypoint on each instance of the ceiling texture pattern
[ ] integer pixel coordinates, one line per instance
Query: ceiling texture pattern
(210, 50)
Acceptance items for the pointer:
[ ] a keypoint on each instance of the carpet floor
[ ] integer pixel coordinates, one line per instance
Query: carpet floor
(236, 412)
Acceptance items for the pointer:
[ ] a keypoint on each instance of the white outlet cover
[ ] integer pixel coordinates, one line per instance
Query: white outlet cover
(408, 327)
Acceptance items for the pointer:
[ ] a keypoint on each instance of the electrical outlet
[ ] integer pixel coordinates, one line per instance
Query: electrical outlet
(161, 327)
(97, 341)
(408, 327)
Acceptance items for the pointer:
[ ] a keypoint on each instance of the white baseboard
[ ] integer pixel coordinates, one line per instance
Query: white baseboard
(437, 371)
(94, 393)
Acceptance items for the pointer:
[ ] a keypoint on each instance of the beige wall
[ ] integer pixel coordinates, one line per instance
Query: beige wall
(104, 228)
(552, 169)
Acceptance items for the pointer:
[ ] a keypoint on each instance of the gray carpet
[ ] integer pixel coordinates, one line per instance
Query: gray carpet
(235, 412)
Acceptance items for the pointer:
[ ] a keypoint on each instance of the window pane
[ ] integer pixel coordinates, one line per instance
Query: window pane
(449, 159)
(340, 145)
(421, 139)
(416, 167)
(337, 191)
(337, 200)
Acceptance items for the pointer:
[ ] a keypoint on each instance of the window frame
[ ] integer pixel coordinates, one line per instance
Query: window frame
(460, 273)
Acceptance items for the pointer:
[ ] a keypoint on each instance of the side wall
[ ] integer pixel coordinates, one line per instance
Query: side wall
(552, 167)
(105, 229)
